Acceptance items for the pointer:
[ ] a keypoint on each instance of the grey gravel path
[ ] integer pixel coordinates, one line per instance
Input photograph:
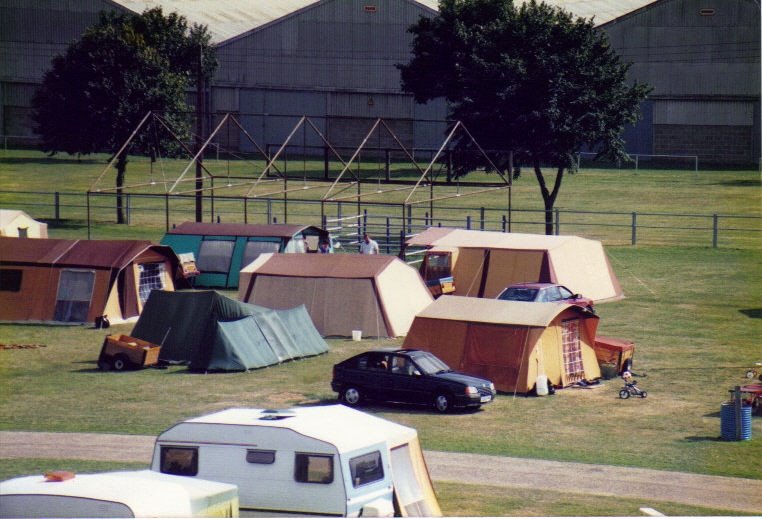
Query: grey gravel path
(652, 486)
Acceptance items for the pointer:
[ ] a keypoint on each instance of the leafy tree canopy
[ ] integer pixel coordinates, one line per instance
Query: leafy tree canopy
(529, 78)
(96, 94)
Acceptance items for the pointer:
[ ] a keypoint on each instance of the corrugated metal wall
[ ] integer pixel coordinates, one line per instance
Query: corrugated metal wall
(702, 58)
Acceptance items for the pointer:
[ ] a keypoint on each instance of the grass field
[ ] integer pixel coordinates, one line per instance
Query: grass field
(695, 314)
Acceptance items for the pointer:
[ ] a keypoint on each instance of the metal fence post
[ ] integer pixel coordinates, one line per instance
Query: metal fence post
(715, 229)
(128, 207)
(410, 218)
(634, 229)
(269, 210)
(505, 223)
(57, 201)
(481, 218)
(468, 222)
(388, 235)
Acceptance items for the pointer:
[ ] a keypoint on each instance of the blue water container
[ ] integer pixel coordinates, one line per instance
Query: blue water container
(728, 422)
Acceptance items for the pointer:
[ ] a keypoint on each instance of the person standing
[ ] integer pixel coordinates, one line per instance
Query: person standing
(368, 245)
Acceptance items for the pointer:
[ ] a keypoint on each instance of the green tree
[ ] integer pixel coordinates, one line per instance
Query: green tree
(95, 95)
(532, 79)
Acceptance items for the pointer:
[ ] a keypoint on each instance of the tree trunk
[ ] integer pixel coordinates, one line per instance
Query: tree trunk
(121, 168)
(548, 197)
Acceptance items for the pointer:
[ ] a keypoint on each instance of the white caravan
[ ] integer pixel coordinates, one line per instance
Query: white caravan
(326, 460)
(141, 493)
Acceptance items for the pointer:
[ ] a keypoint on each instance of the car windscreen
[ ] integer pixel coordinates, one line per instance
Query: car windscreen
(430, 365)
(518, 294)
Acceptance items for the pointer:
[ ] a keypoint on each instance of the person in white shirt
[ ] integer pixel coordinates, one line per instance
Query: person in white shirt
(367, 245)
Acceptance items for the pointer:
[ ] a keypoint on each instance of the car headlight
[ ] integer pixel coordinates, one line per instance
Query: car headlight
(471, 390)
(492, 387)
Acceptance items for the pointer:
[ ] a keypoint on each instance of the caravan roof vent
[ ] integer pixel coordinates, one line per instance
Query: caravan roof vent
(276, 414)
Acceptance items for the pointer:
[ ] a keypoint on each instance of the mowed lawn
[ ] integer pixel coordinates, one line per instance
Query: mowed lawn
(694, 312)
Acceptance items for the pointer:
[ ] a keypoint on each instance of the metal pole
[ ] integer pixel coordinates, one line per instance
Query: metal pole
(57, 198)
(481, 218)
(88, 213)
(715, 228)
(634, 238)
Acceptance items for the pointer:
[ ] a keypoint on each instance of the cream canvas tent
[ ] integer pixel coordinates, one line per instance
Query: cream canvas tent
(18, 224)
(376, 294)
(75, 281)
(484, 262)
(509, 342)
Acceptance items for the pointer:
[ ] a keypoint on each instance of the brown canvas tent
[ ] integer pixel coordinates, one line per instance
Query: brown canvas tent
(75, 281)
(376, 294)
(20, 225)
(485, 262)
(509, 342)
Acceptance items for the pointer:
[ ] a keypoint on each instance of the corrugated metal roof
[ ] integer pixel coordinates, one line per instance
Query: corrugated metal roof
(235, 17)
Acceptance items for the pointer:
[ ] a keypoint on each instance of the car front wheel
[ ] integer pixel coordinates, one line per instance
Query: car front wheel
(351, 396)
(442, 402)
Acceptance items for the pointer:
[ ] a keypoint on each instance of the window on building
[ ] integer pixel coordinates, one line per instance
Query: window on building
(313, 468)
(261, 457)
(75, 290)
(10, 280)
(366, 469)
(180, 461)
(151, 277)
(573, 366)
(215, 255)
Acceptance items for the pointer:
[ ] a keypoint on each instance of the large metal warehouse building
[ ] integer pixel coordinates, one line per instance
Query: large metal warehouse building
(335, 60)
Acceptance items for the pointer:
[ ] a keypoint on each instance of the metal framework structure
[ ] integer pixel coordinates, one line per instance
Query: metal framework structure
(333, 192)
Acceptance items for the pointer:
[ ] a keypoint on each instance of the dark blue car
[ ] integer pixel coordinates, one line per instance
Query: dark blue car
(408, 376)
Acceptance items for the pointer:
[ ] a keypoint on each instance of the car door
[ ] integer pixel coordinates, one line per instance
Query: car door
(408, 385)
(376, 377)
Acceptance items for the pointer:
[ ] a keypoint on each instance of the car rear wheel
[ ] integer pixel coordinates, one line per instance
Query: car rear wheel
(442, 402)
(351, 396)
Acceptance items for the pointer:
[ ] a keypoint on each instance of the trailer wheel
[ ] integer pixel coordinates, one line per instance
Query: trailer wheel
(104, 364)
(624, 394)
(121, 362)
(351, 396)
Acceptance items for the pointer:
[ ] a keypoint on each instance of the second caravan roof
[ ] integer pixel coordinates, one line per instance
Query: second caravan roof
(345, 428)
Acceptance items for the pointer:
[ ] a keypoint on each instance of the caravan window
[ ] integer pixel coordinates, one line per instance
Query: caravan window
(10, 280)
(366, 469)
(313, 468)
(151, 277)
(260, 456)
(75, 289)
(215, 256)
(180, 461)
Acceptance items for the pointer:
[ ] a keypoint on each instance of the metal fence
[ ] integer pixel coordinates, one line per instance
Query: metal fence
(93, 215)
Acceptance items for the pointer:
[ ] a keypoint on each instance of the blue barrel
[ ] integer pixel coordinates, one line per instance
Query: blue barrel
(728, 422)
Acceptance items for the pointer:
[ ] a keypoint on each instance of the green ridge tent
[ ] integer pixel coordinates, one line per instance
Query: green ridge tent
(213, 332)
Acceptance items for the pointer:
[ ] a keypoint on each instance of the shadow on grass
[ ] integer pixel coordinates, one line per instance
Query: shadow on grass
(754, 313)
(50, 160)
(697, 439)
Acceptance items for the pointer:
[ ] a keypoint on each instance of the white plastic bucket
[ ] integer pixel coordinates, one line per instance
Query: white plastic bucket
(542, 385)
(356, 335)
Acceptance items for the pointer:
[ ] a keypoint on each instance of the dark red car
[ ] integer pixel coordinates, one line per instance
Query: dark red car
(545, 293)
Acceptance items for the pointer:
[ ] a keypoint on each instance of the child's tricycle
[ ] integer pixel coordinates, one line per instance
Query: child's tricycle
(631, 387)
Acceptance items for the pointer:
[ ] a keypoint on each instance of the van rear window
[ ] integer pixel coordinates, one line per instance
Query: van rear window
(366, 469)
(180, 461)
(313, 468)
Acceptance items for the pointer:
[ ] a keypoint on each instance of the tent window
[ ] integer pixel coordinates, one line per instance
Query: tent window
(75, 289)
(151, 277)
(10, 280)
(23, 232)
(254, 248)
(296, 244)
(366, 469)
(180, 461)
(573, 367)
(215, 256)
(260, 457)
(313, 468)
